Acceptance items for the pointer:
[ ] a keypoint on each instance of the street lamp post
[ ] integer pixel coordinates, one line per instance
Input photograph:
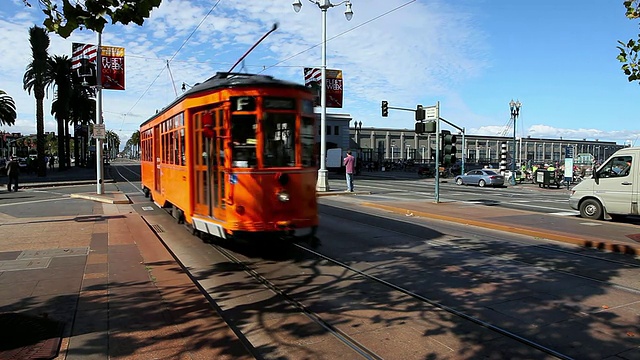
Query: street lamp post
(515, 112)
(323, 180)
(358, 127)
(393, 148)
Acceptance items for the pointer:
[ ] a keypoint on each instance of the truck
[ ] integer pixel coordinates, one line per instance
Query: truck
(613, 190)
(335, 159)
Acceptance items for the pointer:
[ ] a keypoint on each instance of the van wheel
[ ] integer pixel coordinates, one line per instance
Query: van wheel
(591, 209)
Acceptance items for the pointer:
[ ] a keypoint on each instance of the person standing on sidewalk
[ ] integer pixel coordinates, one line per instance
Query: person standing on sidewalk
(13, 169)
(349, 164)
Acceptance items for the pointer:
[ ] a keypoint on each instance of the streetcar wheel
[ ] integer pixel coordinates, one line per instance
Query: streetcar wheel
(482, 183)
(459, 181)
(146, 192)
(591, 209)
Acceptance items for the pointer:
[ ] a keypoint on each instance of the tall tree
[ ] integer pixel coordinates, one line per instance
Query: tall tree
(92, 14)
(59, 77)
(630, 51)
(34, 79)
(7, 109)
(135, 141)
(81, 113)
(113, 143)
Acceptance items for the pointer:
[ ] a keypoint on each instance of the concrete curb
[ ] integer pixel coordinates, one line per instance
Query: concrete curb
(61, 183)
(108, 198)
(342, 192)
(580, 240)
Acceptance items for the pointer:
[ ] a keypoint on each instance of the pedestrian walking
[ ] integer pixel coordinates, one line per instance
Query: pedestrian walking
(13, 170)
(349, 164)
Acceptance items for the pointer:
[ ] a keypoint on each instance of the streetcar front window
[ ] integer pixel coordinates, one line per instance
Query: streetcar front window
(243, 137)
(279, 140)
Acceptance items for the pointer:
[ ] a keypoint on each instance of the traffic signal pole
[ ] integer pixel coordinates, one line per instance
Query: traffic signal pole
(437, 164)
(430, 114)
(463, 142)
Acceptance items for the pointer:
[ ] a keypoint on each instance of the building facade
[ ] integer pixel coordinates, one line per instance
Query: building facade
(388, 144)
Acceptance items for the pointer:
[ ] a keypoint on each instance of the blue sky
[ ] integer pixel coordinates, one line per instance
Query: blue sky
(557, 57)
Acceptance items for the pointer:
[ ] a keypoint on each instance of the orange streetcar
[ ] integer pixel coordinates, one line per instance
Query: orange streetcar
(235, 154)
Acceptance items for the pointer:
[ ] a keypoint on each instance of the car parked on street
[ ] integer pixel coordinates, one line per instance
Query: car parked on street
(480, 177)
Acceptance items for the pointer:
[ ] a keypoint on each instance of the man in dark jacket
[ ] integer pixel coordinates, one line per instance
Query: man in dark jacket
(13, 170)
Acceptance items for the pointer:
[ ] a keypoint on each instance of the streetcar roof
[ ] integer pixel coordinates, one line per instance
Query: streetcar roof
(231, 80)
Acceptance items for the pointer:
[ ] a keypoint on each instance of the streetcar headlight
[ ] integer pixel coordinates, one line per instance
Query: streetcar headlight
(283, 196)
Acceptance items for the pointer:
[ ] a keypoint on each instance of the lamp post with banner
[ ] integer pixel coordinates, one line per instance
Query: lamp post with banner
(324, 5)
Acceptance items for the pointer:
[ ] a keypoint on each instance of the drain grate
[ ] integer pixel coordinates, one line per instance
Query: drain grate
(29, 337)
(157, 228)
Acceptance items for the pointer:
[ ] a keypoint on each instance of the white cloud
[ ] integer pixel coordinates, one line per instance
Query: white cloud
(424, 52)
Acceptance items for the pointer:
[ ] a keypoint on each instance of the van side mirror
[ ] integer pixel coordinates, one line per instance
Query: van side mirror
(596, 176)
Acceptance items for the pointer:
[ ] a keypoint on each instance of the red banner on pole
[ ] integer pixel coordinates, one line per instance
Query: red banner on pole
(313, 78)
(112, 68)
(83, 64)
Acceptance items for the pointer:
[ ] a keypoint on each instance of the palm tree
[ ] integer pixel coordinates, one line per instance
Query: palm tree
(34, 79)
(113, 144)
(7, 109)
(59, 76)
(135, 141)
(81, 113)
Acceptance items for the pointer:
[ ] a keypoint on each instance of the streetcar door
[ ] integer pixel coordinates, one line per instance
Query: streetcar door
(156, 159)
(209, 163)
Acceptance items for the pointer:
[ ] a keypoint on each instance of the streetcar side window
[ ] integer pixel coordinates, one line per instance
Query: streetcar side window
(279, 140)
(308, 140)
(243, 137)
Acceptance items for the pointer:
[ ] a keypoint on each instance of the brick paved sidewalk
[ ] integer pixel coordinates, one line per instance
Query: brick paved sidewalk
(112, 284)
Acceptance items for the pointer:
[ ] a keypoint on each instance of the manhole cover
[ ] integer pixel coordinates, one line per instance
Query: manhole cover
(29, 337)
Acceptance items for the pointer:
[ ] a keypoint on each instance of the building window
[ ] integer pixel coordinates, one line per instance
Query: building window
(328, 130)
(336, 130)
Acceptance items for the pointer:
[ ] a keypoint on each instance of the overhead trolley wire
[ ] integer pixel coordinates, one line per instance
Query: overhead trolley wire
(340, 34)
(172, 57)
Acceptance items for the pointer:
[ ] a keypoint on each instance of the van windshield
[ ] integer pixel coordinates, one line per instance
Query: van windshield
(618, 166)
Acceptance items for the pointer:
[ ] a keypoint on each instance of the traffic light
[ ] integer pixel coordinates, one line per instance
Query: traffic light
(385, 108)
(420, 113)
(420, 128)
(448, 148)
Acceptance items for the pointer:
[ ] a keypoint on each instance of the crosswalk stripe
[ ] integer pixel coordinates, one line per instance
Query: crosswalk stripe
(566, 213)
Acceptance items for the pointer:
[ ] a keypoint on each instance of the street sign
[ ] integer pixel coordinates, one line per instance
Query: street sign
(431, 113)
(568, 152)
(99, 131)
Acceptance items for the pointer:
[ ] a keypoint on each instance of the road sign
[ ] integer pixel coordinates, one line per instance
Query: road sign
(431, 112)
(568, 152)
(99, 131)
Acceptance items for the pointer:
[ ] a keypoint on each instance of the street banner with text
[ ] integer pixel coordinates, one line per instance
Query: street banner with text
(334, 85)
(83, 64)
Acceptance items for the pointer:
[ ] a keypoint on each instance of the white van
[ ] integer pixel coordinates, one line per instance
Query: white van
(613, 189)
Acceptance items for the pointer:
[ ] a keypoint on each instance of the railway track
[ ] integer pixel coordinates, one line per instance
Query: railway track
(252, 267)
